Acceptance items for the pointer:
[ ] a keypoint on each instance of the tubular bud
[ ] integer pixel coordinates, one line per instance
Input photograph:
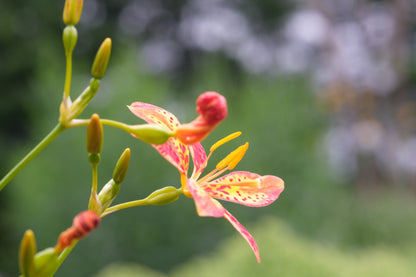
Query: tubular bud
(27, 253)
(72, 11)
(94, 135)
(164, 196)
(122, 165)
(151, 133)
(99, 66)
(212, 109)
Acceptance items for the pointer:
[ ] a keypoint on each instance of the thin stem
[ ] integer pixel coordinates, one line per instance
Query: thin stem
(94, 177)
(109, 122)
(68, 74)
(65, 254)
(142, 202)
(32, 154)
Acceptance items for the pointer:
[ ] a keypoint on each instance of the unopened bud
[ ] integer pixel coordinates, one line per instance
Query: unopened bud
(212, 109)
(27, 253)
(107, 194)
(151, 133)
(82, 225)
(69, 38)
(82, 101)
(212, 106)
(164, 196)
(122, 165)
(72, 11)
(99, 66)
(46, 262)
(94, 135)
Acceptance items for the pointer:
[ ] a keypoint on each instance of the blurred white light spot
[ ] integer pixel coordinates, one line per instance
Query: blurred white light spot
(137, 15)
(307, 27)
(161, 55)
(212, 29)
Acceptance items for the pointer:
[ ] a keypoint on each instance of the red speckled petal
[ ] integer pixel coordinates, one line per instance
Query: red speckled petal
(246, 235)
(173, 151)
(198, 156)
(246, 188)
(205, 205)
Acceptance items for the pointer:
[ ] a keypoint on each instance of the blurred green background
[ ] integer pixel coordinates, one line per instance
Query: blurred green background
(324, 92)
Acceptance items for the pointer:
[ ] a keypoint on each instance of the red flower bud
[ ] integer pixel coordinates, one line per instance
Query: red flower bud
(212, 106)
(212, 109)
(82, 225)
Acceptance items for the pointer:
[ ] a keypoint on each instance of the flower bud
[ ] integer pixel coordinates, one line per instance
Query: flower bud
(107, 194)
(212, 106)
(101, 59)
(212, 109)
(69, 38)
(94, 135)
(82, 101)
(122, 165)
(27, 253)
(151, 133)
(46, 262)
(163, 196)
(72, 11)
(82, 225)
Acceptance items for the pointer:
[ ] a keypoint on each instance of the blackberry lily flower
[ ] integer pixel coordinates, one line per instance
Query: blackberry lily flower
(240, 187)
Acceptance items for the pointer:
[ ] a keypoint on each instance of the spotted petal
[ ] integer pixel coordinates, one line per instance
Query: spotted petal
(205, 205)
(173, 150)
(246, 188)
(198, 156)
(155, 115)
(246, 235)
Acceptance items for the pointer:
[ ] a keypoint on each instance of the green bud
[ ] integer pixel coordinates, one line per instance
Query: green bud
(108, 193)
(164, 196)
(72, 11)
(101, 59)
(151, 133)
(69, 38)
(27, 254)
(46, 262)
(82, 101)
(94, 135)
(122, 165)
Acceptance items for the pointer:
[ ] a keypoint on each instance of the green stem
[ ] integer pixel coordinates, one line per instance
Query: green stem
(68, 75)
(109, 122)
(142, 202)
(32, 154)
(94, 177)
(65, 254)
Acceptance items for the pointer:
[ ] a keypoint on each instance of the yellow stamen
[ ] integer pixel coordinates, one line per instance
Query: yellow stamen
(224, 140)
(233, 158)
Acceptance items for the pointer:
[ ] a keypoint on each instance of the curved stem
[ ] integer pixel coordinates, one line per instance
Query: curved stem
(32, 154)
